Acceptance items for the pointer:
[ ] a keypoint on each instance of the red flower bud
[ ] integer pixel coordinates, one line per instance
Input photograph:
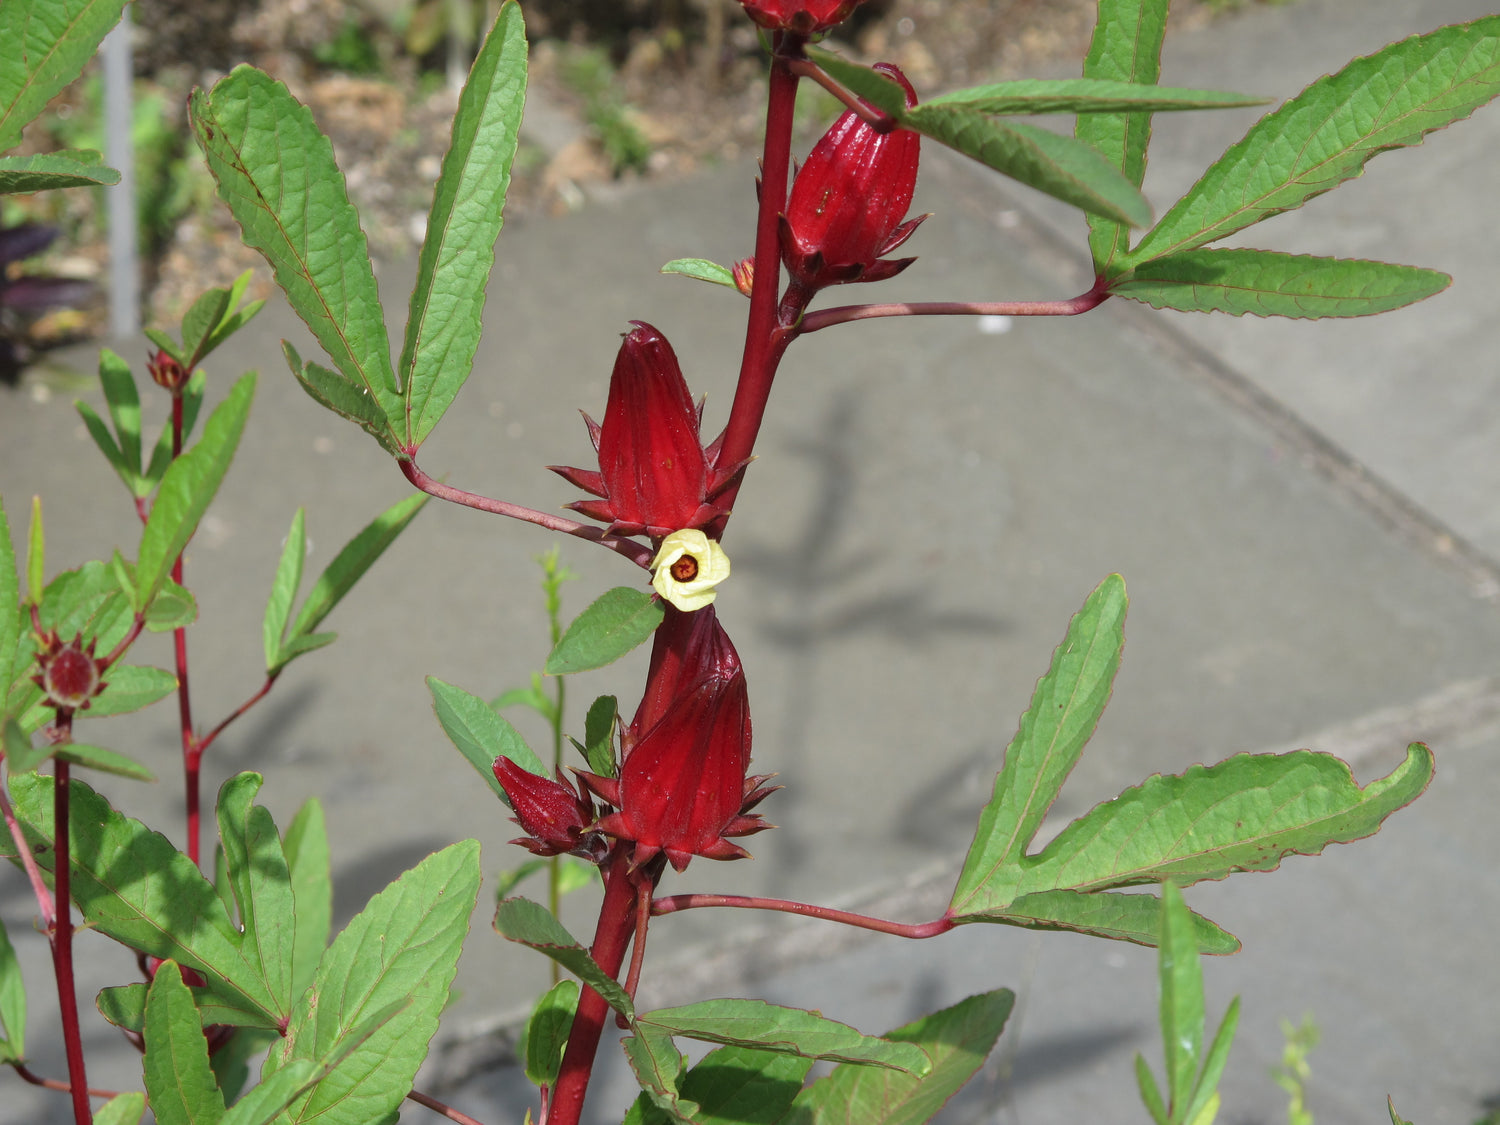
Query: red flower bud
(804, 17)
(683, 788)
(849, 199)
(69, 673)
(654, 474)
(556, 817)
(166, 372)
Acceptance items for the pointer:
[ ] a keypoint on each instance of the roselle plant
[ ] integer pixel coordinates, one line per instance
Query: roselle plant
(235, 956)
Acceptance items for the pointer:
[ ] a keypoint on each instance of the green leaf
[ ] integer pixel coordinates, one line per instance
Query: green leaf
(344, 397)
(200, 320)
(1088, 95)
(106, 761)
(1213, 1066)
(276, 172)
(230, 321)
(12, 1002)
(132, 885)
(701, 269)
(794, 1031)
(1057, 165)
(350, 564)
(443, 326)
(1245, 814)
(529, 923)
(123, 1005)
(106, 443)
(20, 755)
(48, 41)
(10, 618)
(179, 1081)
(417, 924)
(743, 1086)
(284, 588)
(187, 488)
(508, 880)
(1180, 978)
(124, 403)
(130, 688)
(122, 1109)
(874, 87)
(165, 343)
(1065, 709)
(1396, 1118)
(308, 863)
(161, 453)
(49, 171)
(1150, 1095)
(1117, 916)
(481, 735)
(1325, 135)
(262, 1104)
(599, 735)
(1126, 47)
(956, 1040)
(1264, 283)
(619, 620)
(172, 608)
(262, 886)
(546, 1032)
(231, 1062)
(657, 1064)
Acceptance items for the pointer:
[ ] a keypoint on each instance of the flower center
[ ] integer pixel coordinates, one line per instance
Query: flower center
(685, 569)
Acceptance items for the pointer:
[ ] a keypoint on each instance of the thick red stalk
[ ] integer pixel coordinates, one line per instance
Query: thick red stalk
(617, 921)
(62, 941)
(674, 903)
(192, 753)
(764, 339)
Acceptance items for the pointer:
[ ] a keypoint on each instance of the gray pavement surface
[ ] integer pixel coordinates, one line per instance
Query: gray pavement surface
(1307, 535)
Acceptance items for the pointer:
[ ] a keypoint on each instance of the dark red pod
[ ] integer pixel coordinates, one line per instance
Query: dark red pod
(557, 819)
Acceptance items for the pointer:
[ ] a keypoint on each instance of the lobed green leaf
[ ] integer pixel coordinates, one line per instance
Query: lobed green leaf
(1065, 708)
(744, 1086)
(1060, 166)
(794, 1031)
(277, 174)
(529, 923)
(957, 1040)
(50, 41)
(344, 397)
(453, 269)
(262, 886)
(1116, 916)
(480, 735)
(657, 1064)
(618, 621)
(178, 1079)
(1326, 134)
(308, 865)
(1265, 283)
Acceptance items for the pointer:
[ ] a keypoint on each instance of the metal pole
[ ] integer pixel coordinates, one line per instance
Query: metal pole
(119, 152)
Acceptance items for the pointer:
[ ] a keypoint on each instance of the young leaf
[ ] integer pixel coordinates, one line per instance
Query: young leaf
(130, 688)
(262, 886)
(742, 1086)
(1325, 135)
(508, 880)
(1088, 95)
(771, 1027)
(344, 397)
(49, 42)
(1396, 1118)
(124, 403)
(529, 923)
(1150, 1095)
(350, 564)
(657, 1064)
(36, 554)
(52, 170)
(701, 269)
(1116, 916)
(132, 885)
(1245, 814)
(178, 1079)
(442, 329)
(10, 618)
(1180, 978)
(297, 213)
(480, 735)
(106, 761)
(200, 320)
(187, 488)
(122, 1109)
(284, 588)
(418, 924)
(1205, 1095)
(618, 620)
(231, 321)
(106, 443)
(599, 735)
(1264, 283)
(1057, 165)
(1065, 709)
(12, 1002)
(546, 1032)
(307, 858)
(1126, 48)
(957, 1040)
(20, 755)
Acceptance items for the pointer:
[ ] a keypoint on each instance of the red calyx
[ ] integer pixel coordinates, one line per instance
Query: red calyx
(69, 673)
(803, 17)
(557, 819)
(849, 200)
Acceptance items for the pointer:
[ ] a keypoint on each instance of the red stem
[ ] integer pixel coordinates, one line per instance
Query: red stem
(125, 642)
(764, 340)
(874, 118)
(439, 1107)
(62, 940)
(674, 903)
(192, 752)
(205, 742)
(636, 552)
(846, 314)
(27, 1075)
(616, 924)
